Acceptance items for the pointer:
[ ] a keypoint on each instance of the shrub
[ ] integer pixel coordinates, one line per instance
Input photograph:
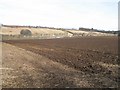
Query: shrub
(26, 32)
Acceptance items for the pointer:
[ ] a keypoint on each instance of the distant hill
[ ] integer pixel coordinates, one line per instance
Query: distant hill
(40, 31)
(102, 31)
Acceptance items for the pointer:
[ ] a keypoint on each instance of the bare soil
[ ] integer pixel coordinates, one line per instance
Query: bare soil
(68, 62)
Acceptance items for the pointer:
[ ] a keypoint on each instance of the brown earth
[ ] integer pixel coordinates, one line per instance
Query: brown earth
(69, 62)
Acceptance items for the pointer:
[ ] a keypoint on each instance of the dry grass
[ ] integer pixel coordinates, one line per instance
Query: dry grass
(16, 31)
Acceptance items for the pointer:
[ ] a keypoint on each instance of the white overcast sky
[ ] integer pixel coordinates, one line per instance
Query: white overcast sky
(99, 14)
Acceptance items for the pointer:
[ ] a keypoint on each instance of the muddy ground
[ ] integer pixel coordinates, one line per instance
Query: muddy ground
(68, 62)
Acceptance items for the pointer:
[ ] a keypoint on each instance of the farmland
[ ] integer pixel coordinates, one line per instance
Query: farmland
(14, 33)
(64, 62)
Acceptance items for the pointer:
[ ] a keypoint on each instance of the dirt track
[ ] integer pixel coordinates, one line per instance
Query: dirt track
(75, 62)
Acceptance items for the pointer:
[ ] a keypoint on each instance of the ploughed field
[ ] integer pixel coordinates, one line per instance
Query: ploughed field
(95, 57)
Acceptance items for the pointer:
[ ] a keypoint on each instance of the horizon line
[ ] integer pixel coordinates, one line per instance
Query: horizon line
(39, 26)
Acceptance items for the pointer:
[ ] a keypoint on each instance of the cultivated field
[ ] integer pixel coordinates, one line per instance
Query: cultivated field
(66, 62)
